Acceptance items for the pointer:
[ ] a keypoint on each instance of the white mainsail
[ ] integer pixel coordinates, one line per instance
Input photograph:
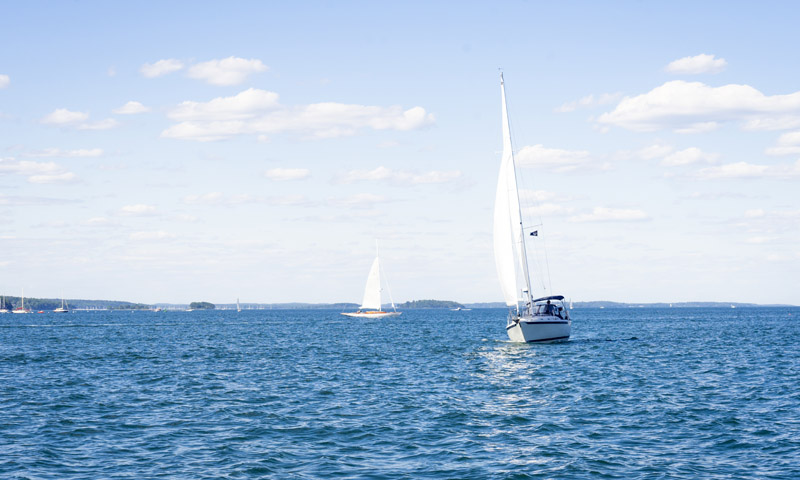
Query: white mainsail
(509, 253)
(372, 292)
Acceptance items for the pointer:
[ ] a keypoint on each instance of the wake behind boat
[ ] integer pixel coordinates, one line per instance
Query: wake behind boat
(529, 320)
(371, 304)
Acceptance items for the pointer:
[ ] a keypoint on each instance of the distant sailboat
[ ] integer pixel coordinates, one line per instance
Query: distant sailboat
(529, 320)
(3, 308)
(238, 307)
(371, 304)
(63, 308)
(22, 309)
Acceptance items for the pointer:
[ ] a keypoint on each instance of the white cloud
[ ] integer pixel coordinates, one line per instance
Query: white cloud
(65, 177)
(97, 222)
(589, 101)
(698, 127)
(57, 152)
(788, 144)
(227, 71)
(689, 156)
(247, 104)
(604, 214)
(754, 213)
(139, 209)
(759, 240)
(746, 170)
(553, 159)
(62, 116)
(5, 81)
(151, 235)
(360, 200)
(65, 117)
(548, 208)
(654, 151)
(536, 195)
(161, 67)
(131, 108)
(106, 124)
(696, 107)
(282, 174)
(734, 170)
(543, 202)
(37, 172)
(399, 176)
(702, 63)
(205, 199)
(296, 200)
(774, 122)
(220, 199)
(257, 112)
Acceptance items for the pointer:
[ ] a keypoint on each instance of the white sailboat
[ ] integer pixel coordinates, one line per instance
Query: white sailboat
(3, 308)
(63, 308)
(22, 309)
(371, 304)
(238, 308)
(529, 320)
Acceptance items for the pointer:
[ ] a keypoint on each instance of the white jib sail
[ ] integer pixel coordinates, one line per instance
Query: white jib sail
(507, 221)
(372, 292)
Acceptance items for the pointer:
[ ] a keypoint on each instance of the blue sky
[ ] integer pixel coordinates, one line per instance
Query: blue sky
(181, 151)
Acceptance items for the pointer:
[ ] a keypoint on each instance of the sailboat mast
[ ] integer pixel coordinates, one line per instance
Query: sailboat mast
(523, 250)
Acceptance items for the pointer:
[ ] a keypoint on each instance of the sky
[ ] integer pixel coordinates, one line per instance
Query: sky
(209, 151)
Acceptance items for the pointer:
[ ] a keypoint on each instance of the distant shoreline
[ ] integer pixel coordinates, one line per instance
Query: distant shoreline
(79, 304)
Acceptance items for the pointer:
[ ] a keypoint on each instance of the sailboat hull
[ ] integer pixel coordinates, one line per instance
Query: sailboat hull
(533, 329)
(371, 314)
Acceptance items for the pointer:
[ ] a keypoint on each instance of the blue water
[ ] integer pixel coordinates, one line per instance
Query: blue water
(636, 393)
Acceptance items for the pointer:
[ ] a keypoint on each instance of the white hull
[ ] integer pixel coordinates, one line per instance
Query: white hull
(20, 311)
(539, 329)
(371, 314)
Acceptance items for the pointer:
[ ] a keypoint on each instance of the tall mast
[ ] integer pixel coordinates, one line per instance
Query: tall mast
(523, 250)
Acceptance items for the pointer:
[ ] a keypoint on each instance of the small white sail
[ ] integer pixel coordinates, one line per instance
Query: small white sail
(372, 292)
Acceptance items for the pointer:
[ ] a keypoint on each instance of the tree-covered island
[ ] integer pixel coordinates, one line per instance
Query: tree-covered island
(202, 306)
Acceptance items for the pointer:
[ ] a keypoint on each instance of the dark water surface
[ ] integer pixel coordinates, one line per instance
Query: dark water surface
(636, 393)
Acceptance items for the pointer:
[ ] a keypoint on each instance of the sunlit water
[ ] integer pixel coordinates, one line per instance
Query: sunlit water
(636, 393)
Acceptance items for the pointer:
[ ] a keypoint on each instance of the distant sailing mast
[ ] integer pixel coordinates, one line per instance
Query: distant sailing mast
(22, 308)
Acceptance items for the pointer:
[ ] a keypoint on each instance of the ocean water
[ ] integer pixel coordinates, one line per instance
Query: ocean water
(433, 394)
